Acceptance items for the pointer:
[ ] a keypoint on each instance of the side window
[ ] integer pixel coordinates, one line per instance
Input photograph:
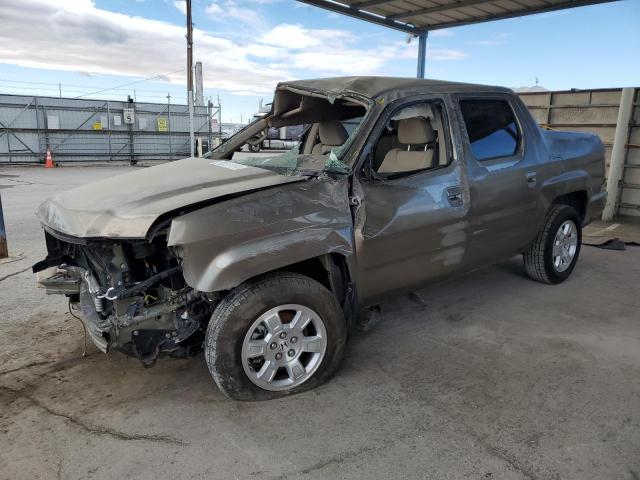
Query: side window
(351, 124)
(491, 127)
(411, 141)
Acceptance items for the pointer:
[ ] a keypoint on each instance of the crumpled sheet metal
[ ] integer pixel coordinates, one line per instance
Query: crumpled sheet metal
(405, 234)
(126, 206)
(387, 87)
(230, 242)
(86, 224)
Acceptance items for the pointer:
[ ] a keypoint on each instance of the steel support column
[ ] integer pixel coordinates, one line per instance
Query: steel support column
(422, 53)
(618, 155)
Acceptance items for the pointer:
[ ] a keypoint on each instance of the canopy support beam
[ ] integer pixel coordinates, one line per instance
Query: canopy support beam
(418, 16)
(422, 53)
(354, 11)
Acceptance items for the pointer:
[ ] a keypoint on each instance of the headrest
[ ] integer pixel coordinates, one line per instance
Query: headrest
(332, 133)
(415, 131)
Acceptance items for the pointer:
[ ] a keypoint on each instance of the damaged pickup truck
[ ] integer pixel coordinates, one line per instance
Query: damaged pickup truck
(264, 262)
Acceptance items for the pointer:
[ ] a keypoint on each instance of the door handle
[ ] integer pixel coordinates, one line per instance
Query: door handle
(454, 195)
(531, 179)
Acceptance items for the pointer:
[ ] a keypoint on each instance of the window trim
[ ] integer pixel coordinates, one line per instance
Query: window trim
(365, 167)
(517, 155)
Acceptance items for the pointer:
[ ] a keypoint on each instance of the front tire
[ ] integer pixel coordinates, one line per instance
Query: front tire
(280, 334)
(554, 253)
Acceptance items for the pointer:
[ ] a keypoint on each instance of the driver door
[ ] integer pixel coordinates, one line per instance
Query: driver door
(411, 225)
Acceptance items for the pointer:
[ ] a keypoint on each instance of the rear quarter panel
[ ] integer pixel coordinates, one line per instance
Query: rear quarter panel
(581, 157)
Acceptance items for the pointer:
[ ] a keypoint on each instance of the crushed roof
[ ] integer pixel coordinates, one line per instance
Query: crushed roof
(373, 87)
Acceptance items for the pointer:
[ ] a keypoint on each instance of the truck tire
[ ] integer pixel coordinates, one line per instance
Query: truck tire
(279, 334)
(553, 255)
(254, 148)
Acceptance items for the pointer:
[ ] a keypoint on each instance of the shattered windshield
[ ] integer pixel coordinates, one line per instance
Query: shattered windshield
(310, 136)
(292, 162)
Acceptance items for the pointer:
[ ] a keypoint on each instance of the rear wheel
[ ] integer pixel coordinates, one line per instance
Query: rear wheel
(280, 334)
(553, 255)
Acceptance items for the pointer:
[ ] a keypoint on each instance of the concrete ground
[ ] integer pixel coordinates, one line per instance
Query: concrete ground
(490, 376)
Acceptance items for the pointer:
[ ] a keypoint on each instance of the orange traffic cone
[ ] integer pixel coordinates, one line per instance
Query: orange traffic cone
(49, 161)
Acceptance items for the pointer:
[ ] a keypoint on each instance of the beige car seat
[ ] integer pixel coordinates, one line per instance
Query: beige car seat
(332, 134)
(385, 143)
(411, 131)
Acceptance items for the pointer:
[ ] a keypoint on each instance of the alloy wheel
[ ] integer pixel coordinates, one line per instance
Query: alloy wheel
(284, 347)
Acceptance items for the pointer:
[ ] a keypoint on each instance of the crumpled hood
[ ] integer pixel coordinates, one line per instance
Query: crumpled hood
(125, 206)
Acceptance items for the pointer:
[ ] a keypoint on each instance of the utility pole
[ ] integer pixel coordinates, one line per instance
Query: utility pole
(190, 76)
(209, 118)
(4, 251)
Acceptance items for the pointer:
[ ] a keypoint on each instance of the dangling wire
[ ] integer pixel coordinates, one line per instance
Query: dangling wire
(84, 328)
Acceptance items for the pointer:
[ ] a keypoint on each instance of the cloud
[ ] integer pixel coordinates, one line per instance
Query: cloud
(497, 40)
(297, 37)
(213, 9)
(79, 36)
(404, 51)
(181, 5)
(441, 33)
(231, 10)
(445, 54)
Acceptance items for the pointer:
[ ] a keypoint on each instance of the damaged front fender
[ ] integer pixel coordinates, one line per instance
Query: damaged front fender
(228, 243)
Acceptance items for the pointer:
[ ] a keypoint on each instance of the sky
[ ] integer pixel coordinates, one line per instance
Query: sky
(85, 48)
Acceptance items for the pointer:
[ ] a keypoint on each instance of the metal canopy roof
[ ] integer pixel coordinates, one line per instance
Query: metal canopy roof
(419, 16)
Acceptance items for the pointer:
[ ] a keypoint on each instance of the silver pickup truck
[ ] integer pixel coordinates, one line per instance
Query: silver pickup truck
(264, 262)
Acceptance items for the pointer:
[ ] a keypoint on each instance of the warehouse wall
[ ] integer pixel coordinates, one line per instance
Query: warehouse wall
(595, 111)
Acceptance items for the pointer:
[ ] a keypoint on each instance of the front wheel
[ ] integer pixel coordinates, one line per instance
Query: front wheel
(254, 148)
(554, 253)
(280, 334)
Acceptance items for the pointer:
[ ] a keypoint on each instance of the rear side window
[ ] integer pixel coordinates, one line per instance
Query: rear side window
(491, 127)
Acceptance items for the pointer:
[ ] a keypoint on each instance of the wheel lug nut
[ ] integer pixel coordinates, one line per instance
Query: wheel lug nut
(273, 346)
(283, 335)
(278, 356)
(291, 352)
(294, 339)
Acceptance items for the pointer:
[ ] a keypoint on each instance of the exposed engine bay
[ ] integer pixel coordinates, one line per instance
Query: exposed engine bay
(130, 293)
(145, 274)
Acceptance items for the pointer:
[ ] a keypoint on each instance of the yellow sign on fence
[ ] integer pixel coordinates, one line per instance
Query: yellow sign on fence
(97, 125)
(162, 124)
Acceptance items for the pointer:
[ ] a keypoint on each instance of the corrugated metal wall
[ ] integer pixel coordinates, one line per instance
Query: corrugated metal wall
(94, 130)
(595, 111)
